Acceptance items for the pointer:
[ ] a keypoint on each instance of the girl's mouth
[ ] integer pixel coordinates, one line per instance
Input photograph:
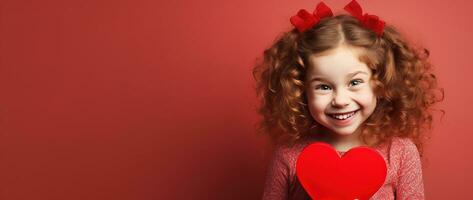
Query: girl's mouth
(343, 118)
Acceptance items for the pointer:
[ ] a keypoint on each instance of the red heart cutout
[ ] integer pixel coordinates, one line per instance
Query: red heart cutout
(358, 174)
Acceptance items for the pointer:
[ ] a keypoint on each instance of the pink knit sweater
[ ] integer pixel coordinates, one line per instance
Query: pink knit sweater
(403, 180)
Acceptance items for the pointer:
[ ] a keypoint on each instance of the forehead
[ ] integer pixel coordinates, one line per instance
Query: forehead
(337, 62)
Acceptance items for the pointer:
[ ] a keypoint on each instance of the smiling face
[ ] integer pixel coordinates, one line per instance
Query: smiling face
(339, 92)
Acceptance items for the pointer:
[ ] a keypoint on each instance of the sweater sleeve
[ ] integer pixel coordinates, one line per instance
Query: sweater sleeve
(276, 184)
(410, 182)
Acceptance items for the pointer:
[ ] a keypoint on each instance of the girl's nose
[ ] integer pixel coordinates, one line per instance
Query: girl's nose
(341, 99)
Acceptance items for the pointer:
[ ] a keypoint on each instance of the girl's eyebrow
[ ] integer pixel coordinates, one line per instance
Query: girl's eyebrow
(350, 75)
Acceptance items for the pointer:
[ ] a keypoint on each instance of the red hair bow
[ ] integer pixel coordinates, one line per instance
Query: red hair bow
(369, 21)
(304, 20)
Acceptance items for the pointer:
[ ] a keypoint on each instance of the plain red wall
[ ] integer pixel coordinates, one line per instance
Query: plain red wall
(154, 99)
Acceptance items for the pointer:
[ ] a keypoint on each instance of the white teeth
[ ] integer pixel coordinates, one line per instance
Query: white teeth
(345, 116)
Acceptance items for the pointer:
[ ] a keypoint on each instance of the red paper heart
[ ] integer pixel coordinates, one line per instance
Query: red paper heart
(324, 175)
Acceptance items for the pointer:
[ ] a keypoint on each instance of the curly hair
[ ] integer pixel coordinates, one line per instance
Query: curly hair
(403, 82)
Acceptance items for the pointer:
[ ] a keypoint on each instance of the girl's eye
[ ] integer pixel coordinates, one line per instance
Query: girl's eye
(326, 87)
(356, 82)
(322, 86)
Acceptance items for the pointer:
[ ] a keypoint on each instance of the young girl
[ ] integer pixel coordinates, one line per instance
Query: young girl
(346, 80)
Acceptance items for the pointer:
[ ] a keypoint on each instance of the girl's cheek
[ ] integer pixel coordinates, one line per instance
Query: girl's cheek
(319, 101)
(366, 94)
(312, 95)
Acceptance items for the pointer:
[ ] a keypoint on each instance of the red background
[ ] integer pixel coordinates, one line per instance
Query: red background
(153, 99)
